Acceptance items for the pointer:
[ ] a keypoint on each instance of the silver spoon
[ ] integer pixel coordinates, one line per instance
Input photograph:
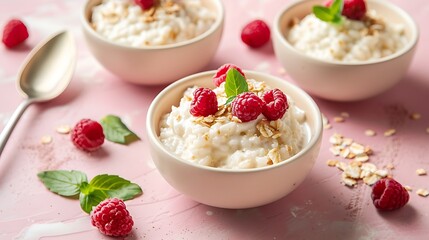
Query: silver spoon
(45, 74)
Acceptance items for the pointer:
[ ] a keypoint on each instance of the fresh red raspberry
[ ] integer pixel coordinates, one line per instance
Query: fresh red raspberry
(255, 34)
(388, 194)
(112, 218)
(144, 4)
(220, 75)
(14, 33)
(352, 9)
(87, 135)
(204, 102)
(275, 104)
(246, 106)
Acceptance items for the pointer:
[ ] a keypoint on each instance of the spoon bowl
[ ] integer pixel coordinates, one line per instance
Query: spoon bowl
(44, 75)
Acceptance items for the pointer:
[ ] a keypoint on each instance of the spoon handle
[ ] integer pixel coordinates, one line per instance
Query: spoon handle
(4, 135)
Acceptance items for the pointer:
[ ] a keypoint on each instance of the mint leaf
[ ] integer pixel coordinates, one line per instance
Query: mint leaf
(331, 14)
(116, 131)
(116, 186)
(106, 186)
(73, 183)
(337, 19)
(336, 7)
(323, 13)
(62, 182)
(230, 99)
(235, 83)
(90, 197)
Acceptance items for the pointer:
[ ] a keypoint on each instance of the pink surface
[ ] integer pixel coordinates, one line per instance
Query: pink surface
(320, 208)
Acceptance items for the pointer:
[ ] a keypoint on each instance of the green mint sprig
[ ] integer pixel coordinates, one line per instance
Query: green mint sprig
(331, 14)
(74, 184)
(116, 131)
(235, 84)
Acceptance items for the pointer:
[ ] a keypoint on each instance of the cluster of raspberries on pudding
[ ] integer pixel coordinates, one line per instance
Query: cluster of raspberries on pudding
(246, 106)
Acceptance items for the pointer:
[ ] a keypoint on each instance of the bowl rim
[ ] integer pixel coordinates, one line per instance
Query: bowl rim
(402, 13)
(215, 26)
(154, 138)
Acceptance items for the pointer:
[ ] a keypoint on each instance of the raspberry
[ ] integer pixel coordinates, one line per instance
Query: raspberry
(144, 4)
(255, 34)
(352, 9)
(112, 218)
(87, 135)
(246, 106)
(388, 194)
(204, 102)
(220, 75)
(275, 104)
(14, 33)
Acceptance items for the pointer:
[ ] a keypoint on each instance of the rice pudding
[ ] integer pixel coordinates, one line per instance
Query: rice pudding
(223, 141)
(352, 41)
(168, 22)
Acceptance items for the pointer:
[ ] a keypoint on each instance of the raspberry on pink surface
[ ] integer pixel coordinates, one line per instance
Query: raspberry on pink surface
(145, 4)
(388, 194)
(246, 106)
(112, 218)
(14, 33)
(204, 102)
(352, 9)
(87, 135)
(256, 34)
(220, 75)
(275, 104)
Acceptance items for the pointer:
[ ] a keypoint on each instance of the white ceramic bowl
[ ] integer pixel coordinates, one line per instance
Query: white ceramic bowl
(158, 64)
(343, 81)
(229, 188)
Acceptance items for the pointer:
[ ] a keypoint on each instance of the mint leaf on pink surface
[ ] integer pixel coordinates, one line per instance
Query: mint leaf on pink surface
(116, 186)
(90, 197)
(73, 183)
(107, 186)
(62, 182)
(116, 131)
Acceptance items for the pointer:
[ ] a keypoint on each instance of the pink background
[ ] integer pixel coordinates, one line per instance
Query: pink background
(320, 208)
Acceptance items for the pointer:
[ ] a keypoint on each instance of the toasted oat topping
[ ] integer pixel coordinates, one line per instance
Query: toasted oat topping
(358, 168)
(370, 133)
(339, 119)
(63, 129)
(348, 148)
(46, 139)
(389, 132)
(415, 116)
(421, 172)
(408, 188)
(422, 192)
(332, 162)
(274, 155)
(345, 114)
(347, 181)
(269, 129)
(371, 179)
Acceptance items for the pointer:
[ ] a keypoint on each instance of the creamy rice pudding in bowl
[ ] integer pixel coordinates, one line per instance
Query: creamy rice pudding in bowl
(220, 154)
(353, 59)
(153, 45)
